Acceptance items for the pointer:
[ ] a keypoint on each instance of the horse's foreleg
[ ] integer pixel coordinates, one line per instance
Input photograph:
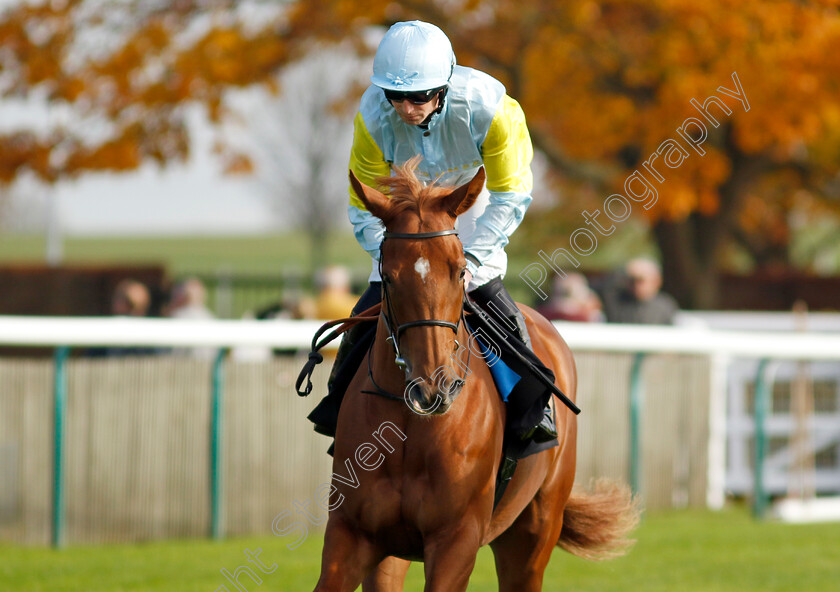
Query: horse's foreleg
(347, 558)
(388, 576)
(450, 559)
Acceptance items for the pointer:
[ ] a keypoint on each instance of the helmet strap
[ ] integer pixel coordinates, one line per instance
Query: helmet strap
(441, 97)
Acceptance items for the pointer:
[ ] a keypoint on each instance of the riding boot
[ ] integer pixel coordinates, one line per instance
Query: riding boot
(325, 414)
(494, 299)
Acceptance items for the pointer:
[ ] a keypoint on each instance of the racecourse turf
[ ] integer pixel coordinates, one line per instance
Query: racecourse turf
(684, 551)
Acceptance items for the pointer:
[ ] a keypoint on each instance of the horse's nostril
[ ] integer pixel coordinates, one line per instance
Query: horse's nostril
(451, 387)
(415, 393)
(421, 399)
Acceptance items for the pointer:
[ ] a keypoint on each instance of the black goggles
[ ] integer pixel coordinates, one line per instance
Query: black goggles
(417, 97)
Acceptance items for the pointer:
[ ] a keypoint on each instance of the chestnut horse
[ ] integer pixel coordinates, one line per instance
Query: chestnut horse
(425, 491)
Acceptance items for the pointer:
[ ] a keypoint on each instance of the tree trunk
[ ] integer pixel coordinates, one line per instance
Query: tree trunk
(691, 248)
(318, 244)
(690, 274)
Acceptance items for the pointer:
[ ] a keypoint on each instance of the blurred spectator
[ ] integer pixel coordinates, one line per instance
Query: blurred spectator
(293, 305)
(572, 299)
(130, 299)
(633, 295)
(188, 300)
(334, 300)
(301, 307)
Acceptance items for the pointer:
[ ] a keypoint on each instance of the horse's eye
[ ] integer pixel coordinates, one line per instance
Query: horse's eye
(462, 274)
(386, 279)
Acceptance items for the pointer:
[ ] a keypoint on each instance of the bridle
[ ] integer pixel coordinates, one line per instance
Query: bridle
(394, 328)
(387, 311)
(386, 314)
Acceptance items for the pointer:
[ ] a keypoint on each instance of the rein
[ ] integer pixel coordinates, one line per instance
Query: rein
(372, 314)
(315, 357)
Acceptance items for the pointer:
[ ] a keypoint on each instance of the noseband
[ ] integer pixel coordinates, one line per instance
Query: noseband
(387, 311)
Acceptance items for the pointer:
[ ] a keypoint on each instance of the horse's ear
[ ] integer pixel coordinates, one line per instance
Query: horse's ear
(376, 202)
(463, 198)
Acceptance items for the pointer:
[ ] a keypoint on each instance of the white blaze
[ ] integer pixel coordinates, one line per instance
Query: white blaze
(422, 268)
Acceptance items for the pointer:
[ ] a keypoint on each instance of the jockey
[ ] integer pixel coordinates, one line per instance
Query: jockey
(458, 119)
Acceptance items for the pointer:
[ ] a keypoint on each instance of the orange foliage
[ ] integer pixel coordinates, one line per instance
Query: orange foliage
(238, 164)
(23, 151)
(139, 86)
(607, 81)
(602, 82)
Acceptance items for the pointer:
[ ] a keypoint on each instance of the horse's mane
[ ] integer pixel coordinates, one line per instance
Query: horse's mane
(408, 192)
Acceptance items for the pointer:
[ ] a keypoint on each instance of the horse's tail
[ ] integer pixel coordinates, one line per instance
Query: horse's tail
(596, 525)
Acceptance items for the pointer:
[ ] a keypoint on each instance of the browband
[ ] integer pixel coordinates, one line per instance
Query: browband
(420, 234)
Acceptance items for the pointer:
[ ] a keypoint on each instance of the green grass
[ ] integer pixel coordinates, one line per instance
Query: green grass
(283, 259)
(195, 254)
(266, 255)
(691, 551)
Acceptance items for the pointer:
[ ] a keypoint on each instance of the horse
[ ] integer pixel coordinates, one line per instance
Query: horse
(426, 488)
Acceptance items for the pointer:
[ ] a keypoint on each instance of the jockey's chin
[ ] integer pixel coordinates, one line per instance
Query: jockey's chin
(414, 114)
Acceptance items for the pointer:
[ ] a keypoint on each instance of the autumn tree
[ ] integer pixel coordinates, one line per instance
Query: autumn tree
(604, 85)
(297, 142)
(125, 73)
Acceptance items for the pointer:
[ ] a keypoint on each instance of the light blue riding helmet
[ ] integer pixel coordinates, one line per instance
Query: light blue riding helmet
(413, 56)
